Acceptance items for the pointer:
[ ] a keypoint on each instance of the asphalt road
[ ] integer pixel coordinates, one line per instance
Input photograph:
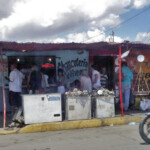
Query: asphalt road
(103, 138)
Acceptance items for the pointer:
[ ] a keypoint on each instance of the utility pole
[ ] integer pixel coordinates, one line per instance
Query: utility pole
(113, 36)
(111, 39)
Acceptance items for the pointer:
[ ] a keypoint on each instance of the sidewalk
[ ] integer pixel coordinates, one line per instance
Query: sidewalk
(132, 116)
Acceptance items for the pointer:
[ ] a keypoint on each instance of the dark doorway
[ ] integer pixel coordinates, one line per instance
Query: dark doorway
(108, 63)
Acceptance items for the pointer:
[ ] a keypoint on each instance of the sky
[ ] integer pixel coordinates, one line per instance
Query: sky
(81, 21)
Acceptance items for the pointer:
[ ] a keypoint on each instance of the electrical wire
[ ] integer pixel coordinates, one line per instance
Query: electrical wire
(147, 39)
(120, 23)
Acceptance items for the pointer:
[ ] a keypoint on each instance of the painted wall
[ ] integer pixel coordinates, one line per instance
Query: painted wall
(5, 67)
(135, 67)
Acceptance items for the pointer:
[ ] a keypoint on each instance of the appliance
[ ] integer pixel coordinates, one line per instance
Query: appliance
(78, 107)
(104, 106)
(40, 108)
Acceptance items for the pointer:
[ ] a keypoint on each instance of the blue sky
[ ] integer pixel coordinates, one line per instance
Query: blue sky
(134, 26)
(63, 21)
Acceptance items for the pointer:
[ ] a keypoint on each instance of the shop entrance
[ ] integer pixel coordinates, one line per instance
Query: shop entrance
(47, 64)
(108, 63)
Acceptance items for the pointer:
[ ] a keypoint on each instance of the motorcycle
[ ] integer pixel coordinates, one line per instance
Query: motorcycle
(144, 128)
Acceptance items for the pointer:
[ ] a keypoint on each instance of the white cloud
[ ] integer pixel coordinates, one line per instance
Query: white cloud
(116, 39)
(90, 36)
(109, 21)
(62, 21)
(93, 35)
(58, 40)
(6, 7)
(143, 37)
(140, 3)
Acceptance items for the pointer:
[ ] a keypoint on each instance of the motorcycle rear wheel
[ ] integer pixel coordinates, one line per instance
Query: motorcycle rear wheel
(144, 129)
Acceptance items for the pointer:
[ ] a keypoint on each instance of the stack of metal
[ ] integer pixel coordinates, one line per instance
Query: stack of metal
(77, 92)
(102, 92)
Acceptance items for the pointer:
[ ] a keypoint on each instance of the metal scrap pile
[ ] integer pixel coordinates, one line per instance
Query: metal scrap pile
(77, 92)
(102, 92)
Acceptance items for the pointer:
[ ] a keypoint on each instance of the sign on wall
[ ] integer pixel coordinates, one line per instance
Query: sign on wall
(72, 64)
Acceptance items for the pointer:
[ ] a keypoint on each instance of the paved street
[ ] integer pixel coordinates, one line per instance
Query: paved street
(104, 138)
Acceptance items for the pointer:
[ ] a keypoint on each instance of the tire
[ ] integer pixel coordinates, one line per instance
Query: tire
(145, 123)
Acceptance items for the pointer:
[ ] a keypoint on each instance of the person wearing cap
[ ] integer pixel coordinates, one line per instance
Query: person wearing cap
(96, 78)
(15, 87)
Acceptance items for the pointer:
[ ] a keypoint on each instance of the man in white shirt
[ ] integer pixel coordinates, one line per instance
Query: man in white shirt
(15, 87)
(96, 82)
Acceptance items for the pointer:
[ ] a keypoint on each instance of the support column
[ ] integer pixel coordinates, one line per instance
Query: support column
(3, 87)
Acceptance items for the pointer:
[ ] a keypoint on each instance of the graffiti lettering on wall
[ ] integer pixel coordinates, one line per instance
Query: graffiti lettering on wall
(73, 67)
(72, 63)
(72, 73)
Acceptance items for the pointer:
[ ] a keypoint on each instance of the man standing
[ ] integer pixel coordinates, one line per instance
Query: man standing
(95, 78)
(35, 80)
(127, 77)
(15, 87)
(85, 81)
(96, 84)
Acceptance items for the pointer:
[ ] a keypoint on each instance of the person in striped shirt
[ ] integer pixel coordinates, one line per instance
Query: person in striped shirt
(104, 78)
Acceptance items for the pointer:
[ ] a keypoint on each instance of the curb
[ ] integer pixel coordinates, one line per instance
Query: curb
(68, 125)
(6, 132)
